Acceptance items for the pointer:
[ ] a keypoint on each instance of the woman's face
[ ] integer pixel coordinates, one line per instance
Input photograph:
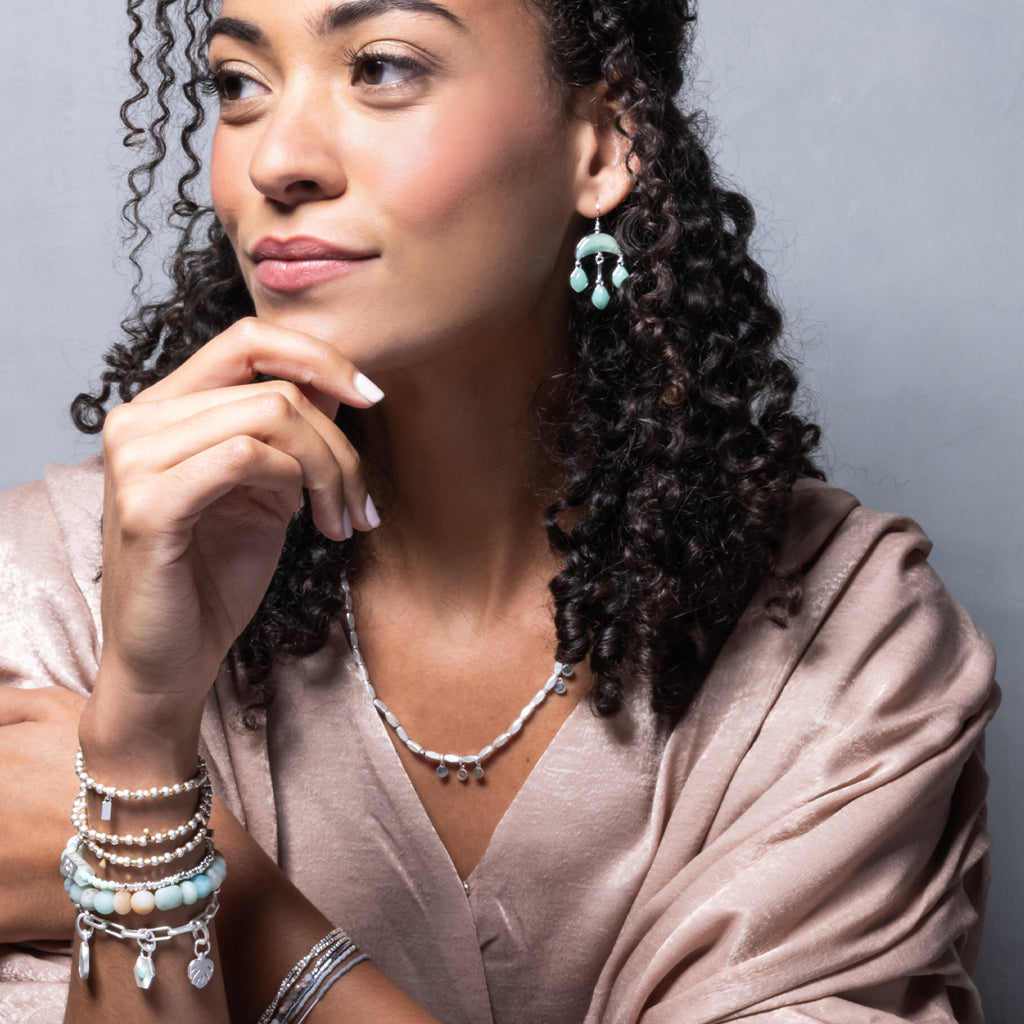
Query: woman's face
(397, 177)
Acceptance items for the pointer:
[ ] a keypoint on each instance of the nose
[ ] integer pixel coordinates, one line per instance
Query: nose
(298, 158)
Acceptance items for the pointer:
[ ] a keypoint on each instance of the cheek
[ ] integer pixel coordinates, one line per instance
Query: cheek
(225, 167)
(475, 170)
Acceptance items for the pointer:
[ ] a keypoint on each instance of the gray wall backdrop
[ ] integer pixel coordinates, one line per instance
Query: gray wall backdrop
(883, 143)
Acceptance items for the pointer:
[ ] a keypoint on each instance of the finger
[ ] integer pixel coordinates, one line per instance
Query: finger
(153, 437)
(270, 478)
(251, 347)
(34, 704)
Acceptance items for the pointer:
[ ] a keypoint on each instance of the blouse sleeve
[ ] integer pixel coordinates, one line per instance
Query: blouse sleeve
(49, 636)
(842, 869)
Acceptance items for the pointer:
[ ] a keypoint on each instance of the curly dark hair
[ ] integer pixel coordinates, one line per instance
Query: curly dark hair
(674, 428)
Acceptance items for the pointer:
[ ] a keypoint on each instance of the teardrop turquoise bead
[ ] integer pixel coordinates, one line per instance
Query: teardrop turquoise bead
(578, 280)
(619, 275)
(600, 298)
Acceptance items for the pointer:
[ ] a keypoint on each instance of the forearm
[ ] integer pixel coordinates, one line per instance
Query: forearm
(263, 928)
(266, 926)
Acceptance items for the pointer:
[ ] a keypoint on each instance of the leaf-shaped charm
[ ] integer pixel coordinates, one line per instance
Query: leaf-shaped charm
(200, 971)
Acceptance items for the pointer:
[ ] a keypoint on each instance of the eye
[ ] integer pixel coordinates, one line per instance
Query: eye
(384, 70)
(232, 86)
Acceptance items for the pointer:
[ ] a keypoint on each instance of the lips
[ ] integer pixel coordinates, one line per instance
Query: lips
(294, 264)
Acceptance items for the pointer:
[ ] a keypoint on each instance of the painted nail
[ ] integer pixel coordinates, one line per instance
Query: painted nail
(372, 516)
(367, 388)
(346, 524)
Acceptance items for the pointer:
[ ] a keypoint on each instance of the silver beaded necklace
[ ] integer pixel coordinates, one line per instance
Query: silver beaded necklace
(462, 764)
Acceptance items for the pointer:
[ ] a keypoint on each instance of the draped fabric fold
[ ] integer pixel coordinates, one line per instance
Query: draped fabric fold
(806, 845)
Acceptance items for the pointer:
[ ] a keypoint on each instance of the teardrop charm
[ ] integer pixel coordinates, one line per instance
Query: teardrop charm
(463, 773)
(83, 959)
(600, 298)
(478, 772)
(619, 275)
(579, 280)
(442, 771)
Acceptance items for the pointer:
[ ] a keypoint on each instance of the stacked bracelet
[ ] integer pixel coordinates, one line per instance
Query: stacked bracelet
(98, 898)
(310, 979)
(80, 819)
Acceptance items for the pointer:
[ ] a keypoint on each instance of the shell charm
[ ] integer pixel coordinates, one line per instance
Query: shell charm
(200, 971)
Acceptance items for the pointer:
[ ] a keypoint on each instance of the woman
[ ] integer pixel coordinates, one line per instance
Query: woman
(381, 358)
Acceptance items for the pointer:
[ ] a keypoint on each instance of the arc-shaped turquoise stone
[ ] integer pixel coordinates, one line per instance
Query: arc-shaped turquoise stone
(591, 244)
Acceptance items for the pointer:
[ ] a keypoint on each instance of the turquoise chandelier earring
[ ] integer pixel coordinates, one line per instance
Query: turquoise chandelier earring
(598, 244)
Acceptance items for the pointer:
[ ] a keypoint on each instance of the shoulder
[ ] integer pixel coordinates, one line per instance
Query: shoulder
(872, 610)
(50, 556)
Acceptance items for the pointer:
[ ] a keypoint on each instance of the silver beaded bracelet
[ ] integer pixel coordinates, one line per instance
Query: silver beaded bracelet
(80, 820)
(200, 969)
(109, 792)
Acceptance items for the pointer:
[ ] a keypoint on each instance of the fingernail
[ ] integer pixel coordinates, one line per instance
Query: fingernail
(346, 524)
(372, 516)
(367, 388)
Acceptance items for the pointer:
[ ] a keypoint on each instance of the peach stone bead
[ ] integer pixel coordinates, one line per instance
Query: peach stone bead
(122, 902)
(143, 902)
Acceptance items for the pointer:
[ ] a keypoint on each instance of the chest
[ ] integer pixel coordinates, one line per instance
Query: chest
(384, 847)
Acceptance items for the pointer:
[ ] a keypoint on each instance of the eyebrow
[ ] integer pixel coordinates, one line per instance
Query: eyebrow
(336, 19)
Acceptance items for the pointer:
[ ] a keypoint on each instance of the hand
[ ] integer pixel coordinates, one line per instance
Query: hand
(204, 470)
(38, 737)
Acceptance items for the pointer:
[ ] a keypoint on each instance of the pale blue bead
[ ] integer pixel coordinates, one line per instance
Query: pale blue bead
(88, 900)
(215, 877)
(104, 902)
(75, 892)
(221, 865)
(67, 884)
(169, 897)
(83, 876)
(189, 894)
(203, 887)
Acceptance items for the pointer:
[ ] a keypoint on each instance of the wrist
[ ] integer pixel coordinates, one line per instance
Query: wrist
(137, 738)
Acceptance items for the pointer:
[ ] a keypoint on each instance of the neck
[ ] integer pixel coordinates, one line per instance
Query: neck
(453, 456)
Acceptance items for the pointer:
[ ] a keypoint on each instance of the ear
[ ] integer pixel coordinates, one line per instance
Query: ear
(603, 170)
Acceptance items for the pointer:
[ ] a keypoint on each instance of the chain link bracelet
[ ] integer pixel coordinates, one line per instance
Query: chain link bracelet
(200, 969)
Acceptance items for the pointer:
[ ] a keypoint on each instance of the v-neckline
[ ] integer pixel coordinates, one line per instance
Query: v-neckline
(377, 730)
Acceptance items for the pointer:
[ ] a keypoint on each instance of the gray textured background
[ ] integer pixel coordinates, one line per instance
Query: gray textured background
(883, 143)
